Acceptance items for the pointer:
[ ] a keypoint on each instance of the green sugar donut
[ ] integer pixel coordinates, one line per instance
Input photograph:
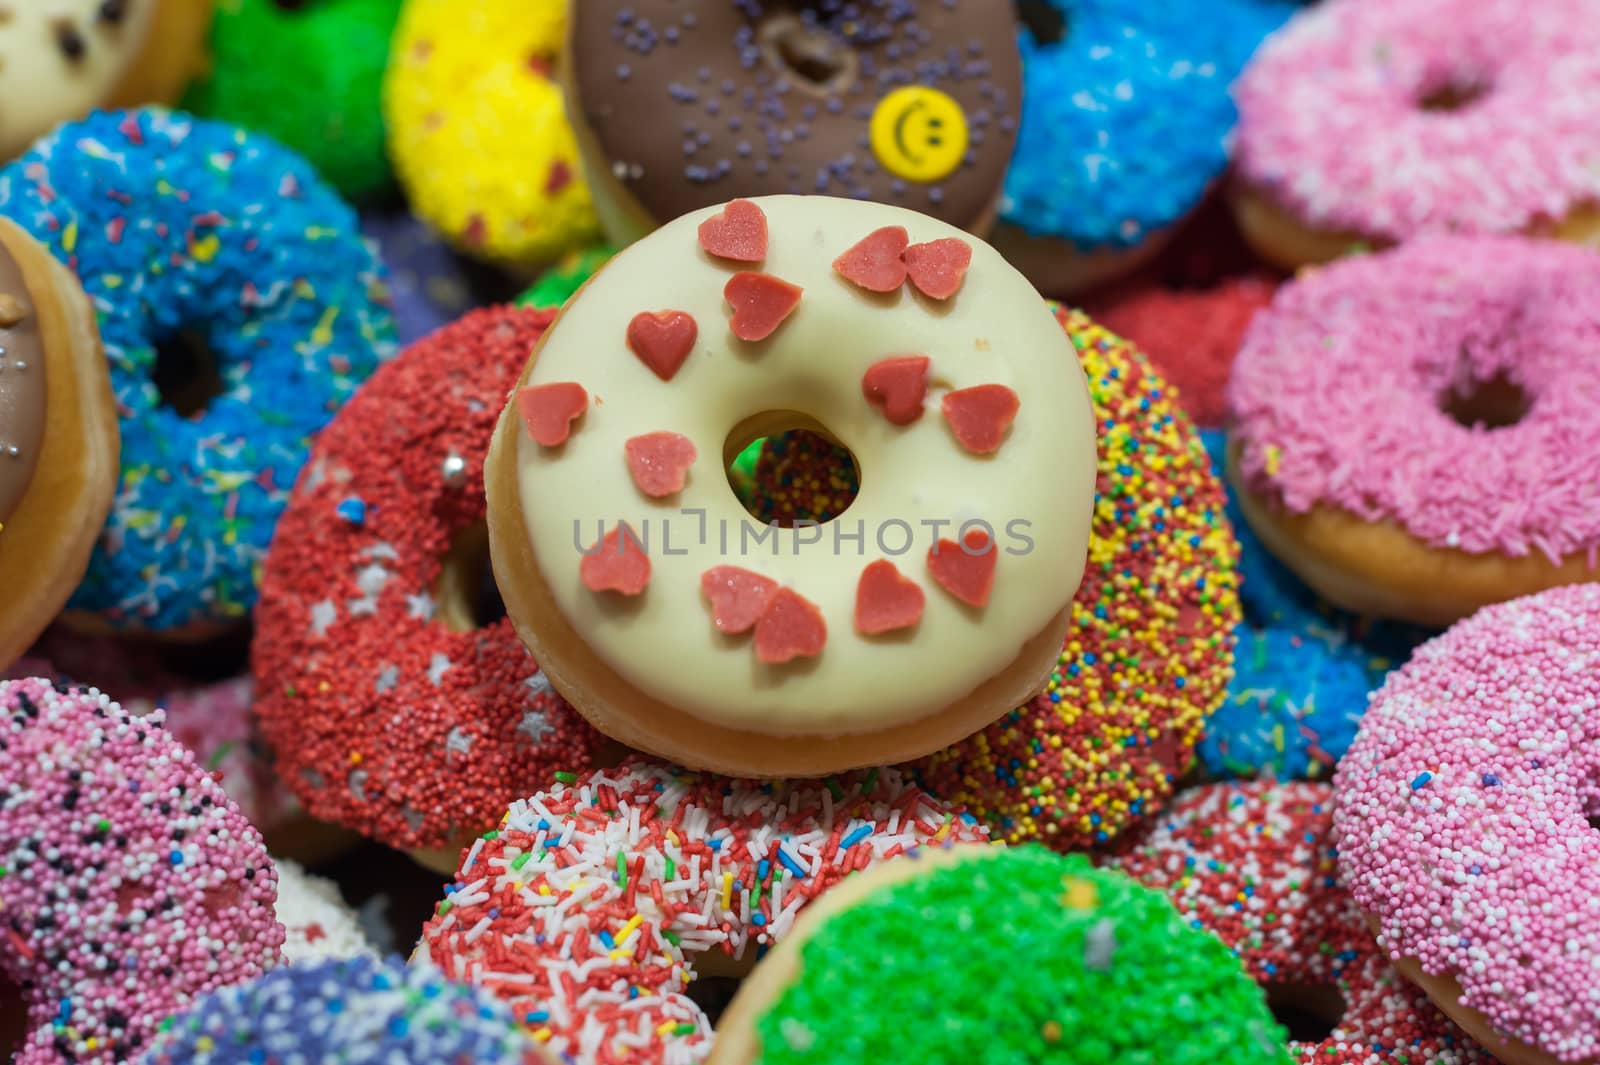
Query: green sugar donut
(308, 73)
(998, 956)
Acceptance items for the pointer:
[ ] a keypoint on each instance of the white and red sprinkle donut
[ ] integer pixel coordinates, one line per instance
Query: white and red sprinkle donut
(391, 711)
(1376, 122)
(1463, 810)
(129, 883)
(588, 908)
(1410, 429)
(1255, 864)
(935, 604)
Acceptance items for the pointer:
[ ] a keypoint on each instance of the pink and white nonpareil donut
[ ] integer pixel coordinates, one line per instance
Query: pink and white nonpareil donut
(1463, 814)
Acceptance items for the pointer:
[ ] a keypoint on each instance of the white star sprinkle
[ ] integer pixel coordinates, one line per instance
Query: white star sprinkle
(534, 725)
(388, 677)
(371, 579)
(538, 685)
(458, 741)
(438, 665)
(421, 607)
(323, 614)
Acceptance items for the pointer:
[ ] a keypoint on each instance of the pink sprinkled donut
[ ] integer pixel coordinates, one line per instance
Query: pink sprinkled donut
(1411, 429)
(1372, 121)
(390, 708)
(1462, 813)
(587, 908)
(1255, 865)
(128, 882)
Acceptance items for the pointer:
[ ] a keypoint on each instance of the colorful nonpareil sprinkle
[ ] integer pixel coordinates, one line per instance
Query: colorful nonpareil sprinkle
(1150, 650)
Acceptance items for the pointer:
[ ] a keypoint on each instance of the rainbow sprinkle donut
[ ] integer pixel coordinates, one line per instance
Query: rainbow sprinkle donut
(478, 130)
(1150, 650)
(178, 226)
(128, 882)
(1446, 117)
(355, 1012)
(1255, 865)
(1463, 808)
(390, 710)
(587, 908)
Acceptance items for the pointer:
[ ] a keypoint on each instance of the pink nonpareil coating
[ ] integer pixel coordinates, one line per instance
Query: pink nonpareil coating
(131, 883)
(1338, 396)
(1462, 814)
(1332, 122)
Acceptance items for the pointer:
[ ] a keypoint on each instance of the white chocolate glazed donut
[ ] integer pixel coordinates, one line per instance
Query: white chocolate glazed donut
(632, 641)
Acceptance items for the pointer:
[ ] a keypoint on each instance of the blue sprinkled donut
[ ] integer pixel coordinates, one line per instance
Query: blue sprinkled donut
(359, 1011)
(1302, 669)
(1126, 119)
(178, 226)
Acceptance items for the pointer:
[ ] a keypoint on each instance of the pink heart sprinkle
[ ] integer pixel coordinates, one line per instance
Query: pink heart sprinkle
(980, 416)
(616, 564)
(875, 262)
(660, 462)
(737, 597)
(965, 572)
(549, 411)
(662, 340)
(739, 233)
(939, 267)
(790, 627)
(760, 304)
(886, 600)
(898, 386)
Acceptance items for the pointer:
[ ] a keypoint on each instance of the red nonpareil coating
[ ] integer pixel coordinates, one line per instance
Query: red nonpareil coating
(618, 563)
(662, 340)
(938, 267)
(965, 570)
(737, 597)
(876, 262)
(979, 417)
(887, 600)
(383, 717)
(760, 304)
(898, 386)
(1255, 865)
(739, 233)
(549, 411)
(131, 883)
(790, 627)
(588, 908)
(659, 462)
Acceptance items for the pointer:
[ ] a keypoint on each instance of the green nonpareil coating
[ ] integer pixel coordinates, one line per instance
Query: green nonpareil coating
(309, 75)
(1018, 958)
(557, 284)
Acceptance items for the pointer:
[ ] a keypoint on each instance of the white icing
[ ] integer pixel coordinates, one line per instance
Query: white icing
(40, 86)
(314, 916)
(996, 330)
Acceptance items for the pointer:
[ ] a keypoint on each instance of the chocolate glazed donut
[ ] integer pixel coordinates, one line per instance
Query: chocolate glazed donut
(680, 104)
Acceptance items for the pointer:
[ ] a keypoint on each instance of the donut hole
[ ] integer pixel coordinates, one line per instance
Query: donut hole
(186, 374)
(1449, 97)
(1496, 402)
(1043, 21)
(811, 56)
(468, 597)
(788, 469)
(13, 1019)
(1310, 1013)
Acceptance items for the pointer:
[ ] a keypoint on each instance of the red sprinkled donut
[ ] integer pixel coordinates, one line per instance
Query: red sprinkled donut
(1255, 864)
(384, 716)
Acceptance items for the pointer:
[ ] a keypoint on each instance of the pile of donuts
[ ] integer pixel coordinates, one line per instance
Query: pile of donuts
(822, 531)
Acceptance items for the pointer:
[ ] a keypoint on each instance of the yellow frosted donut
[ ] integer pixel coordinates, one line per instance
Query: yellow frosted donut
(478, 131)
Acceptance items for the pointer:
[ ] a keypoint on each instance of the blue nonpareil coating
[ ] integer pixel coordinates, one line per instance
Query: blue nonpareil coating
(178, 226)
(1128, 119)
(353, 1011)
(1302, 669)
